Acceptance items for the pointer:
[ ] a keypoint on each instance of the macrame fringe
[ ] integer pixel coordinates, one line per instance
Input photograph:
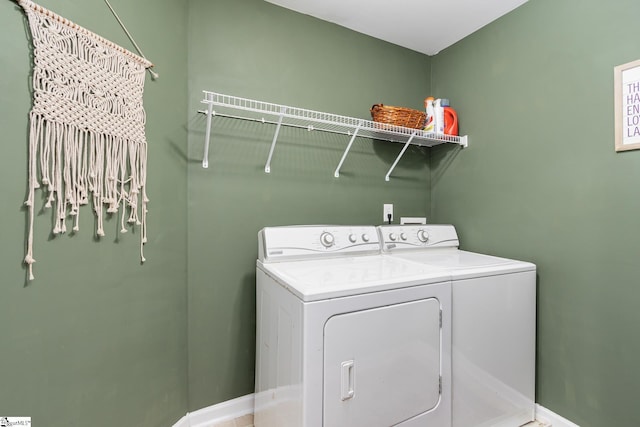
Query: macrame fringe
(87, 140)
(78, 166)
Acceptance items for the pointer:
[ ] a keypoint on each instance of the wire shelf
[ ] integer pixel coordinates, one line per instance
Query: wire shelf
(283, 115)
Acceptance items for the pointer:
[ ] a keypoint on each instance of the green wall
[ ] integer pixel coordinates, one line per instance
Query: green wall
(541, 181)
(97, 339)
(257, 50)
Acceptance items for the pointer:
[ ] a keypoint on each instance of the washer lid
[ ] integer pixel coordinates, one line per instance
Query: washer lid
(313, 280)
(463, 264)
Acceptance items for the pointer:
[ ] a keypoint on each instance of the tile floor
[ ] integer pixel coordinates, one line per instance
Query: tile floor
(243, 421)
(247, 421)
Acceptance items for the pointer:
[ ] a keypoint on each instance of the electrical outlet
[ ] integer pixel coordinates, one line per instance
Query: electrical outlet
(387, 210)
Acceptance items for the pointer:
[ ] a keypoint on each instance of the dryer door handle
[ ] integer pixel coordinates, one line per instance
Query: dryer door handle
(347, 374)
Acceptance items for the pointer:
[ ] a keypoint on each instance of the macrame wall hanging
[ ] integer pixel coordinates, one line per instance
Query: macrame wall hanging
(87, 139)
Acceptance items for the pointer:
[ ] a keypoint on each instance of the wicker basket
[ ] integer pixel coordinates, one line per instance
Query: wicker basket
(398, 116)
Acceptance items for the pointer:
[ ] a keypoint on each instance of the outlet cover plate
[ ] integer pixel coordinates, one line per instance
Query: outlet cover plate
(386, 210)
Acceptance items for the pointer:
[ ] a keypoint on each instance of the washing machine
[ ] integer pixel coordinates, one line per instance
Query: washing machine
(347, 336)
(493, 324)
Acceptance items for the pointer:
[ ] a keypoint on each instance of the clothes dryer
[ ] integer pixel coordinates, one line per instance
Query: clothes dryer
(493, 324)
(347, 336)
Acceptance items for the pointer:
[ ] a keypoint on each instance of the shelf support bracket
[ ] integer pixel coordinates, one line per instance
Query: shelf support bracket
(393, 166)
(344, 156)
(267, 167)
(207, 136)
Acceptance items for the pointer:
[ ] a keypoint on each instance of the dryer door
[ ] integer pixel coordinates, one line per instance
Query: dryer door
(382, 365)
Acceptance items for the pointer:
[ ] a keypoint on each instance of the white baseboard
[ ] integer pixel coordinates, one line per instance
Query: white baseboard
(547, 416)
(240, 406)
(224, 411)
(184, 422)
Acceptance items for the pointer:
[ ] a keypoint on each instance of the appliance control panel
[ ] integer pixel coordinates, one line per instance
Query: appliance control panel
(310, 241)
(398, 237)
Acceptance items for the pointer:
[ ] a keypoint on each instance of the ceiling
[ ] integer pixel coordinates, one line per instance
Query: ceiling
(426, 26)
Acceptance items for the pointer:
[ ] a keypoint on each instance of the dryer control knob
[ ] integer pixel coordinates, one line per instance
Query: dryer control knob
(327, 239)
(392, 237)
(352, 238)
(403, 236)
(423, 236)
(365, 238)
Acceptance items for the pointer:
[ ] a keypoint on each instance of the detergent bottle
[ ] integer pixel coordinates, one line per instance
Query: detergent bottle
(450, 119)
(429, 125)
(439, 116)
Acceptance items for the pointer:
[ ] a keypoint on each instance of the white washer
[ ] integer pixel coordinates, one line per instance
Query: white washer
(493, 325)
(347, 336)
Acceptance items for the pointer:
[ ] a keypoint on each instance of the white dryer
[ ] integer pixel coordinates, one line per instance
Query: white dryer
(493, 325)
(346, 336)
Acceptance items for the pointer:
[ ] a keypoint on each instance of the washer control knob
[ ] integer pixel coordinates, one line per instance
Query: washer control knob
(365, 237)
(423, 236)
(352, 238)
(392, 237)
(327, 239)
(403, 236)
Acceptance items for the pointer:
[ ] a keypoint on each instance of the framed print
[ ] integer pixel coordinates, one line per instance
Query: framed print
(626, 80)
